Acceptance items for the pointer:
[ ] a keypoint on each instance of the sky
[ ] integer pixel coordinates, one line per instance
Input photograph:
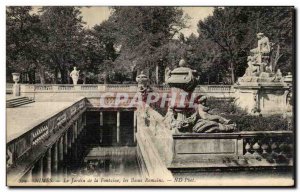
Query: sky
(95, 15)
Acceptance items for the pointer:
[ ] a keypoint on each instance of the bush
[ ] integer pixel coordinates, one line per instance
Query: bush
(259, 123)
(246, 122)
(224, 107)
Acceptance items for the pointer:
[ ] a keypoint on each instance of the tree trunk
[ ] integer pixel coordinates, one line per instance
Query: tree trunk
(42, 75)
(29, 77)
(56, 76)
(68, 77)
(232, 72)
(156, 73)
(63, 76)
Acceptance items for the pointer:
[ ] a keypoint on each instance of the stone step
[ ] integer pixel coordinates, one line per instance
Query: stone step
(16, 102)
(19, 104)
(17, 98)
(19, 101)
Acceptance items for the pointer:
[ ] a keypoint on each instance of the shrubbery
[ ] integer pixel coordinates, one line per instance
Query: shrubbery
(246, 122)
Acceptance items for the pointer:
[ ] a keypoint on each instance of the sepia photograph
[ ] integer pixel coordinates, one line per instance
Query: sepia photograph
(141, 96)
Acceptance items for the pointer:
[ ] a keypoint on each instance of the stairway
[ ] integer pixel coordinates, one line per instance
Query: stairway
(16, 102)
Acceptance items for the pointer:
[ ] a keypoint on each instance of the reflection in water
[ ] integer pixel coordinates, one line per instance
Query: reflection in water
(102, 155)
(109, 161)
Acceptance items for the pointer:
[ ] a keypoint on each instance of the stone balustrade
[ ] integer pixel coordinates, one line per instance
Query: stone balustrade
(46, 92)
(35, 142)
(9, 88)
(112, 87)
(269, 149)
(275, 147)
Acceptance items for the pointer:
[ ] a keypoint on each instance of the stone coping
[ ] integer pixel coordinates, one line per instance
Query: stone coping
(230, 135)
(22, 119)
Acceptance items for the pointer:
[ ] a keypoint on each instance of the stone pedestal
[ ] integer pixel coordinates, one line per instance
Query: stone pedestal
(16, 86)
(16, 90)
(263, 98)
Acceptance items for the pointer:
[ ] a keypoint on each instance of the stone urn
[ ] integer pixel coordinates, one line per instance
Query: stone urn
(16, 77)
(143, 85)
(182, 81)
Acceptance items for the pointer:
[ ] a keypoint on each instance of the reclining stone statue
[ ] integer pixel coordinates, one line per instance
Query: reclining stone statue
(207, 122)
(201, 121)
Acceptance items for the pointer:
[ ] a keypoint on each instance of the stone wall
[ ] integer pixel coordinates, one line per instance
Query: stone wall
(267, 98)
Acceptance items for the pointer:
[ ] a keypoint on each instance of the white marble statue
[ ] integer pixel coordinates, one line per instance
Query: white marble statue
(74, 75)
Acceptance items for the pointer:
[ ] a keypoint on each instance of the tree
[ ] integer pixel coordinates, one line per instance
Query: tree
(64, 27)
(142, 32)
(23, 41)
(233, 30)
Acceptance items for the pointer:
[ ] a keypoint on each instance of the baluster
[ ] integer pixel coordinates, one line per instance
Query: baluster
(265, 147)
(247, 148)
(282, 157)
(256, 148)
(274, 148)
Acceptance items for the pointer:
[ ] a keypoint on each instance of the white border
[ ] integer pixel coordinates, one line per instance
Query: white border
(107, 3)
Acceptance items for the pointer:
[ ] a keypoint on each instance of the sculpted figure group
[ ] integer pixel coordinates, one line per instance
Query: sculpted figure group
(260, 69)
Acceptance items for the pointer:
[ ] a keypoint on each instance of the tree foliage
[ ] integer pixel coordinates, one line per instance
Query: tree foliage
(49, 43)
(233, 31)
(143, 33)
(24, 38)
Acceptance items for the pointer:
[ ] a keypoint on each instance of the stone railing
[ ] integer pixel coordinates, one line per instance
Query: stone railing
(52, 91)
(114, 87)
(269, 149)
(250, 149)
(18, 147)
(276, 147)
(9, 88)
(154, 142)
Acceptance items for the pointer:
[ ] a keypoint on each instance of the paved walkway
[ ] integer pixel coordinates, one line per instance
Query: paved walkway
(21, 119)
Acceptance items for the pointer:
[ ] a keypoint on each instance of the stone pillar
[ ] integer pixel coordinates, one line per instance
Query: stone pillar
(76, 129)
(16, 90)
(84, 119)
(65, 171)
(66, 143)
(48, 164)
(134, 126)
(54, 158)
(101, 126)
(75, 151)
(28, 175)
(16, 86)
(156, 73)
(39, 164)
(61, 149)
(101, 118)
(73, 133)
(80, 127)
(60, 158)
(118, 127)
(69, 132)
(37, 170)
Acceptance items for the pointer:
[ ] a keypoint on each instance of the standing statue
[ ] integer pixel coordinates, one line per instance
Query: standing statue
(263, 48)
(260, 68)
(74, 75)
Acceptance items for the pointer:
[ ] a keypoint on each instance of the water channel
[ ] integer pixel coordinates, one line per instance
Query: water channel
(99, 153)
